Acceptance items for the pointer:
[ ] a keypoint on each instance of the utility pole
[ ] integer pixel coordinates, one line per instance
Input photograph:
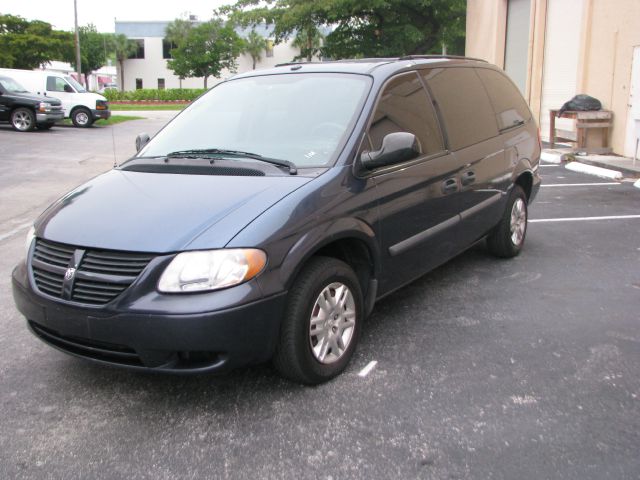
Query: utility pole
(77, 42)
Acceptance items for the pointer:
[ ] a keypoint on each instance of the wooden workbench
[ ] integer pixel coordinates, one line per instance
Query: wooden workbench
(585, 121)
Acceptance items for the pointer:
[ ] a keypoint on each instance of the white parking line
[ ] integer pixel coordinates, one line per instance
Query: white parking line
(18, 229)
(366, 370)
(547, 166)
(595, 184)
(583, 219)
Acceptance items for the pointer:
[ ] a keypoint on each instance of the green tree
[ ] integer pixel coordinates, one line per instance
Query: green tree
(363, 28)
(176, 34)
(93, 49)
(30, 44)
(207, 50)
(309, 40)
(123, 48)
(254, 45)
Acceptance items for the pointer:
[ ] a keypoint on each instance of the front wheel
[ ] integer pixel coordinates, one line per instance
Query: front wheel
(23, 120)
(81, 117)
(322, 322)
(507, 239)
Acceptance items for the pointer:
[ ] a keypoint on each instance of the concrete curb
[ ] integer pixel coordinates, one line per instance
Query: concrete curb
(593, 170)
(627, 172)
(551, 157)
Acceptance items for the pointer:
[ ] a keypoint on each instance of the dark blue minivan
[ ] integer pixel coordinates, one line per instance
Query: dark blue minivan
(268, 217)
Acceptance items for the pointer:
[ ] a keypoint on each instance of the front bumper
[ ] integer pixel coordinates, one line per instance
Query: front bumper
(49, 117)
(214, 341)
(101, 114)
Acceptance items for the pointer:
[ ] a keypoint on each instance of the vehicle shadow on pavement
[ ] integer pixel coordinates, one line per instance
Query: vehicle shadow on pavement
(262, 381)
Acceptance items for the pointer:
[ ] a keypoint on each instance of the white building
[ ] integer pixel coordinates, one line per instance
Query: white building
(149, 68)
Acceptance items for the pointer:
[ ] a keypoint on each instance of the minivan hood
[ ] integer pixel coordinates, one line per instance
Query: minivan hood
(161, 213)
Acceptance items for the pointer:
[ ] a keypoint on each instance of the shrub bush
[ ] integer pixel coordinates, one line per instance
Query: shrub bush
(147, 94)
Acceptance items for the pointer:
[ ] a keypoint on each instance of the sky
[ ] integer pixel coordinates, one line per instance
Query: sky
(102, 14)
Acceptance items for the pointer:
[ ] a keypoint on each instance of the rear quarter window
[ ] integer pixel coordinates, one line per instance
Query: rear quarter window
(464, 106)
(509, 106)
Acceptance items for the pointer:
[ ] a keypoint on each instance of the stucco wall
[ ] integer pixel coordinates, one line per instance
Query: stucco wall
(613, 30)
(153, 66)
(610, 30)
(486, 28)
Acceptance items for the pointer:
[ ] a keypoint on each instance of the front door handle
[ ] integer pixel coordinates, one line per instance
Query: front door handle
(450, 185)
(468, 178)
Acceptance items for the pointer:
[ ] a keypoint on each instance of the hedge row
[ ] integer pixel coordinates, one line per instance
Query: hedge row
(170, 94)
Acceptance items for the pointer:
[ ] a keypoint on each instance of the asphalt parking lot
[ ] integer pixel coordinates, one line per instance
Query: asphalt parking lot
(523, 368)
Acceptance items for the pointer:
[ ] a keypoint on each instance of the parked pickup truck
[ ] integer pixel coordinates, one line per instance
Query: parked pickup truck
(26, 111)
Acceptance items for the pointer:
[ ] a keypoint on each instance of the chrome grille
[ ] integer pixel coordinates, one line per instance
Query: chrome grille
(100, 275)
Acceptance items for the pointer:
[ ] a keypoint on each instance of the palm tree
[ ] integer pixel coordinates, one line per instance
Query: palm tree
(124, 48)
(309, 40)
(254, 45)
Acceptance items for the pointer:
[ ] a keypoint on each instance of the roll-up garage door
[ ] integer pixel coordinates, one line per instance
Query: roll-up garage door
(561, 53)
(517, 43)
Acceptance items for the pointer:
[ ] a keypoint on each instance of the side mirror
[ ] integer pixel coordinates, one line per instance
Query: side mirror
(141, 141)
(397, 147)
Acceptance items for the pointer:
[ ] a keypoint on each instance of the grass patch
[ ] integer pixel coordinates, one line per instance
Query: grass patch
(143, 107)
(111, 121)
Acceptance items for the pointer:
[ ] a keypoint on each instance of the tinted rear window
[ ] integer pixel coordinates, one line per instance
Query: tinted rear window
(467, 113)
(509, 106)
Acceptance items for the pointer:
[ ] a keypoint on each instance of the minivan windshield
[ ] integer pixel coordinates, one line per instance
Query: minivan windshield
(79, 88)
(303, 118)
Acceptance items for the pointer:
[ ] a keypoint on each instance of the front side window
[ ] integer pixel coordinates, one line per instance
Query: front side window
(465, 108)
(304, 118)
(404, 106)
(58, 84)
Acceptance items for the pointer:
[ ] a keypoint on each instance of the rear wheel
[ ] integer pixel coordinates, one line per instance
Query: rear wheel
(23, 120)
(81, 117)
(322, 322)
(507, 239)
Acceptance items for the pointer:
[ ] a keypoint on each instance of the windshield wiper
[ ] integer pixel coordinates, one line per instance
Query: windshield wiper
(203, 152)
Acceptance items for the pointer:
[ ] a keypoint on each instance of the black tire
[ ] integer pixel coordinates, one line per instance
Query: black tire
(45, 126)
(82, 117)
(507, 239)
(23, 119)
(294, 357)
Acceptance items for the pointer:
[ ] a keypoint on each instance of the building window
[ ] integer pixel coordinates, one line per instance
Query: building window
(139, 53)
(167, 46)
(161, 84)
(269, 48)
(138, 84)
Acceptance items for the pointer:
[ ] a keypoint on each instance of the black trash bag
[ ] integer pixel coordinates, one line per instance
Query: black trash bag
(581, 103)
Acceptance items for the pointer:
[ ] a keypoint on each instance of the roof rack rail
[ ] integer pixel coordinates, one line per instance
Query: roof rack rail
(286, 64)
(455, 57)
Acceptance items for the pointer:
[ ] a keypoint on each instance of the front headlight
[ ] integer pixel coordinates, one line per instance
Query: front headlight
(31, 234)
(44, 107)
(211, 269)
